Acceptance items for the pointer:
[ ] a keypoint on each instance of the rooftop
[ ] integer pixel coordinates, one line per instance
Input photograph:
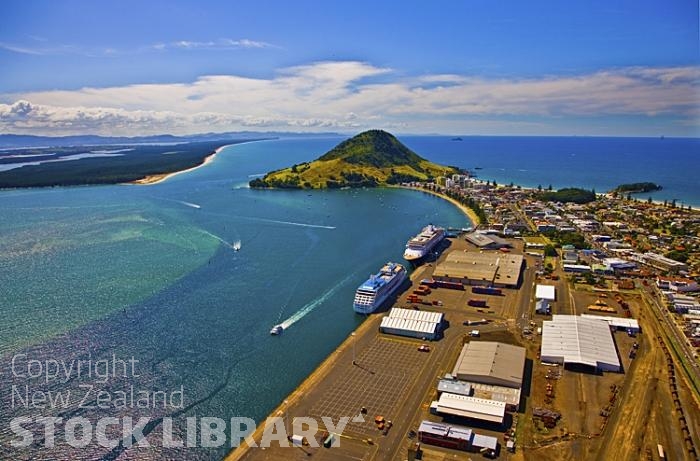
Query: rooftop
(580, 340)
(491, 362)
(501, 268)
(547, 292)
(472, 407)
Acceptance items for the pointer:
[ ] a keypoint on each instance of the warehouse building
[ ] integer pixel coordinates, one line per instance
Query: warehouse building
(463, 406)
(414, 324)
(491, 269)
(455, 437)
(570, 339)
(547, 292)
(663, 263)
(618, 323)
(454, 386)
(486, 241)
(489, 362)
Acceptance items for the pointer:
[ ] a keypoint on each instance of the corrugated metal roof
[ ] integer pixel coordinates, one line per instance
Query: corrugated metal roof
(471, 407)
(412, 314)
(444, 430)
(574, 339)
(617, 322)
(430, 427)
(491, 362)
(409, 325)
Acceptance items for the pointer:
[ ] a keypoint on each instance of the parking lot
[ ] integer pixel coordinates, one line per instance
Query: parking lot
(378, 382)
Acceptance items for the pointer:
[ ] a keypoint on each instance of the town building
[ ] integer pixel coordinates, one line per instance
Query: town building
(576, 340)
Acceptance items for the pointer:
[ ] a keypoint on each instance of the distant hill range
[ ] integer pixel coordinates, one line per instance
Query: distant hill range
(372, 158)
(10, 141)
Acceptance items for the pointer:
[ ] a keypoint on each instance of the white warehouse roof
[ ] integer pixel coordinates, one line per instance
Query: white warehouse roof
(545, 292)
(411, 314)
(579, 340)
(394, 323)
(471, 407)
(617, 322)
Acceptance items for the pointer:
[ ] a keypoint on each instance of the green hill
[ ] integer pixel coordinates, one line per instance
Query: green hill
(370, 159)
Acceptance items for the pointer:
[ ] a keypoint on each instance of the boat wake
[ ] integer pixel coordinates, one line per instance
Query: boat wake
(190, 204)
(235, 246)
(181, 202)
(291, 223)
(308, 308)
(271, 221)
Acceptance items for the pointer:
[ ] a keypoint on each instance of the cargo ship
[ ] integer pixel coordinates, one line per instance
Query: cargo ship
(378, 287)
(423, 243)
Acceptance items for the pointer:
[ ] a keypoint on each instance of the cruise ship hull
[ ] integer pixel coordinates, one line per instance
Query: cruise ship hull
(366, 302)
(423, 244)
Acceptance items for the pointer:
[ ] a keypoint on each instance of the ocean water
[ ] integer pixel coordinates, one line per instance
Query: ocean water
(148, 272)
(588, 162)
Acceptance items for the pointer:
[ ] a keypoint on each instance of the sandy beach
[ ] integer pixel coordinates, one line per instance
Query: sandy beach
(158, 178)
(466, 210)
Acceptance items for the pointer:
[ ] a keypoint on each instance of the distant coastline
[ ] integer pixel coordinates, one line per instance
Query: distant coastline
(153, 179)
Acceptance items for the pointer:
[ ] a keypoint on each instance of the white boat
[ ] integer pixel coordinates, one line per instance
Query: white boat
(277, 329)
(423, 243)
(236, 245)
(378, 287)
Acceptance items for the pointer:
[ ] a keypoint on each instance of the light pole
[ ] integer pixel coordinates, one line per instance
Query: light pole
(353, 347)
(284, 415)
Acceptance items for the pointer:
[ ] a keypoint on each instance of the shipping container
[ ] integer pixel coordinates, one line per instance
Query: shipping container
(487, 291)
(450, 285)
(477, 302)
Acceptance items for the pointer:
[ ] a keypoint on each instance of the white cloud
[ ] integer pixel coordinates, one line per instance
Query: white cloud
(352, 95)
(44, 48)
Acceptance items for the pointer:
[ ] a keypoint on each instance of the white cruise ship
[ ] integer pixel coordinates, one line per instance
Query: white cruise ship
(423, 243)
(378, 287)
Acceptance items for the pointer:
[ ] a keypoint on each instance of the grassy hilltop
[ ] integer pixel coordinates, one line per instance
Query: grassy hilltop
(370, 159)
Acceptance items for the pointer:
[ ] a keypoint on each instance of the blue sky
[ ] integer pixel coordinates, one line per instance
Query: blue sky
(459, 67)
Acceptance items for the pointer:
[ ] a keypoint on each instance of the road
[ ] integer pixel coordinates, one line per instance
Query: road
(522, 317)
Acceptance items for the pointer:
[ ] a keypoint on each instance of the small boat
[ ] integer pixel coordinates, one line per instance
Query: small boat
(457, 139)
(236, 245)
(277, 329)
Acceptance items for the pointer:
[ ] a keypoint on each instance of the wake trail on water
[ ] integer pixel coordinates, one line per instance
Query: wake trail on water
(290, 223)
(309, 307)
(181, 202)
(272, 221)
(217, 238)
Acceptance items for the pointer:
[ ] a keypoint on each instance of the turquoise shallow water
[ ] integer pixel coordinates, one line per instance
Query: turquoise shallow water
(138, 271)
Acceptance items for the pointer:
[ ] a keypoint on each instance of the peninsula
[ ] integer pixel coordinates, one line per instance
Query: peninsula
(370, 159)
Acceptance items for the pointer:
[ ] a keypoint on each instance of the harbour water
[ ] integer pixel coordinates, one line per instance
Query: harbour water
(149, 272)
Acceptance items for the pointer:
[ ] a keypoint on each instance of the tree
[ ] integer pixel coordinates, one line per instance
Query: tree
(629, 196)
(649, 201)
(549, 187)
(549, 250)
(539, 187)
